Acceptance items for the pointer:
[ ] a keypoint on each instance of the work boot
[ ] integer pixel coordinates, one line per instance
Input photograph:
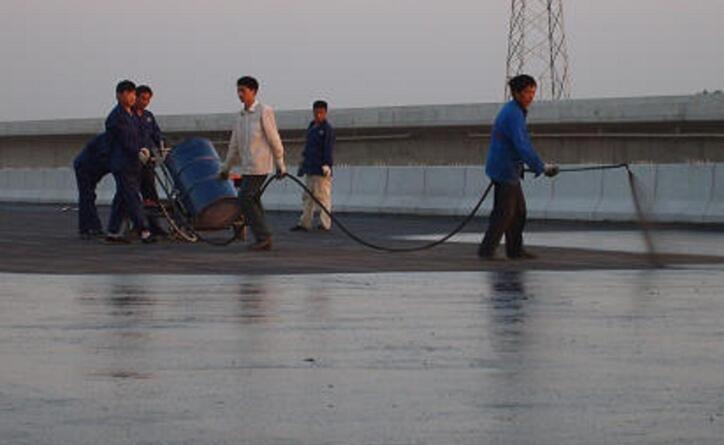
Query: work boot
(96, 233)
(116, 239)
(91, 234)
(489, 257)
(486, 254)
(523, 255)
(261, 246)
(158, 232)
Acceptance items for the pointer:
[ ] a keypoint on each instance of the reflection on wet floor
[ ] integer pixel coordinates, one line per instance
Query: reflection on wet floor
(665, 241)
(504, 357)
(508, 299)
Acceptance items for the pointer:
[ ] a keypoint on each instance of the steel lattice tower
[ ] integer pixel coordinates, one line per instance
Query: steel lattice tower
(537, 46)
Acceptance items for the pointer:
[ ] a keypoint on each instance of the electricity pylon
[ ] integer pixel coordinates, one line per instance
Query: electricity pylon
(537, 46)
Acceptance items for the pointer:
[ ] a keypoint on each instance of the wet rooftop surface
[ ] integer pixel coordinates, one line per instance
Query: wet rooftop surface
(595, 357)
(42, 239)
(323, 342)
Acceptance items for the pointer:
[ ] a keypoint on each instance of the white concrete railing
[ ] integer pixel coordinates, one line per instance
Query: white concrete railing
(692, 193)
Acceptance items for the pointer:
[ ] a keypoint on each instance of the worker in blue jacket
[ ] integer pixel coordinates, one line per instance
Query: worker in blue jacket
(90, 166)
(510, 150)
(151, 138)
(317, 166)
(127, 156)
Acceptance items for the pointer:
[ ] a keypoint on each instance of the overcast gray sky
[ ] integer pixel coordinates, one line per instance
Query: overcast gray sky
(62, 58)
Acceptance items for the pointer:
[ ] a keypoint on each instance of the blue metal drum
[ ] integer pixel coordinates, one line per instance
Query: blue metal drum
(194, 167)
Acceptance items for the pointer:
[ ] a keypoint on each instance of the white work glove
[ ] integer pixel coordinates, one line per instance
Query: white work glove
(281, 171)
(144, 155)
(551, 170)
(326, 171)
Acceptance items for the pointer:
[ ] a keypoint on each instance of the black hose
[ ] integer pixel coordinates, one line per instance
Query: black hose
(436, 243)
(644, 225)
(371, 245)
(460, 226)
(590, 168)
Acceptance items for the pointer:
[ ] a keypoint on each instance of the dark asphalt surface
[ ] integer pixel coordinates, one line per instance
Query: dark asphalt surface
(42, 239)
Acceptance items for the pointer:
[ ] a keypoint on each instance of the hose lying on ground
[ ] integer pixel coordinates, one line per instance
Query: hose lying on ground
(185, 230)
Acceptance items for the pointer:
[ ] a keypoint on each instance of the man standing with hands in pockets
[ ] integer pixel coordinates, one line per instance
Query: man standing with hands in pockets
(255, 144)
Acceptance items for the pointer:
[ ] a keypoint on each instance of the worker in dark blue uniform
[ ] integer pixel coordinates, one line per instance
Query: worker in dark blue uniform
(90, 166)
(317, 166)
(127, 155)
(151, 138)
(511, 149)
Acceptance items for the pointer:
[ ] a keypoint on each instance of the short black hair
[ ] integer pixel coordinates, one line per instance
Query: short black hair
(125, 85)
(521, 82)
(319, 104)
(144, 89)
(249, 82)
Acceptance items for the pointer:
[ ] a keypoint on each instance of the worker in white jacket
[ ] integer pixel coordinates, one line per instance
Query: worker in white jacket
(255, 144)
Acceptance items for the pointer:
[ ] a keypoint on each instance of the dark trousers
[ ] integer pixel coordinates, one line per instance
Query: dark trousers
(148, 182)
(127, 201)
(149, 193)
(507, 218)
(251, 205)
(87, 178)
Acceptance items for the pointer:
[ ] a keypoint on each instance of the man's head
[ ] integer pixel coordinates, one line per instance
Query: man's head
(523, 88)
(126, 93)
(246, 89)
(319, 108)
(144, 93)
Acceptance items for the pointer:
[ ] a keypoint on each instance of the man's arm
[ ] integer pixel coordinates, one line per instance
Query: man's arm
(518, 134)
(269, 124)
(328, 151)
(156, 134)
(232, 154)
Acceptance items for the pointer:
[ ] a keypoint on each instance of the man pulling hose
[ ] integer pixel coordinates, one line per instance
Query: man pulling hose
(511, 149)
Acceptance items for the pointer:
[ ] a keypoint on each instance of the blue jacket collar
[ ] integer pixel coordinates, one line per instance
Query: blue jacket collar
(522, 108)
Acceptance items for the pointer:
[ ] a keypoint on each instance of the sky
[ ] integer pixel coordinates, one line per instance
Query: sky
(62, 58)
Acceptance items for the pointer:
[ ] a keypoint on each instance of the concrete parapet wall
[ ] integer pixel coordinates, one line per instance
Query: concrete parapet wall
(684, 193)
(635, 130)
(696, 108)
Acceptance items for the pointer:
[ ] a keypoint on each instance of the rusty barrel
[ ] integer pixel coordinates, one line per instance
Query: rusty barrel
(194, 167)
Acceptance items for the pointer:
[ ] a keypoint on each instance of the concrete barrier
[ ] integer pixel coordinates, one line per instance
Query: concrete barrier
(282, 195)
(368, 189)
(715, 210)
(106, 189)
(444, 190)
(575, 195)
(404, 191)
(538, 195)
(689, 193)
(616, 203)
(683, 192)
(475, 184)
